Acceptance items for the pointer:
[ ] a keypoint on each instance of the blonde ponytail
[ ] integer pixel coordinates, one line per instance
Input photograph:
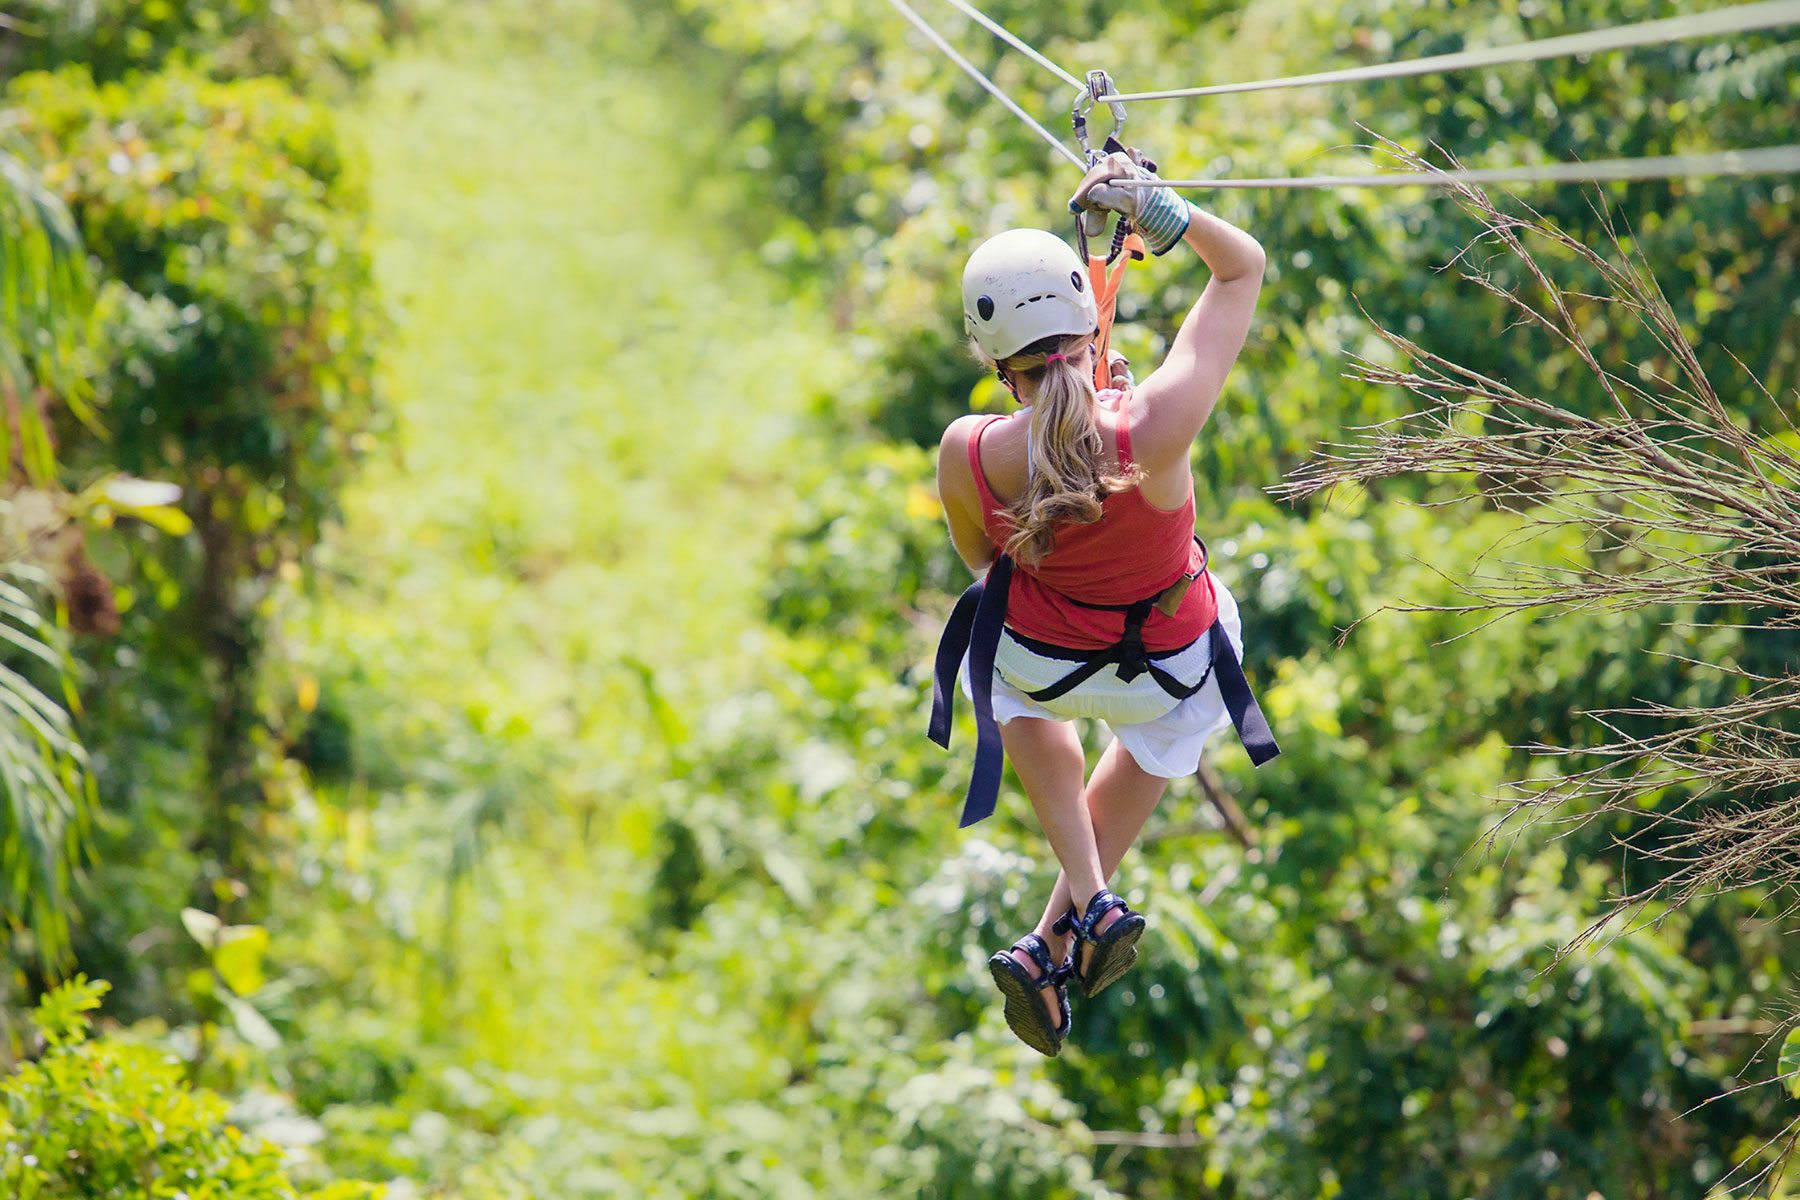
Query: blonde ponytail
(1065, 481)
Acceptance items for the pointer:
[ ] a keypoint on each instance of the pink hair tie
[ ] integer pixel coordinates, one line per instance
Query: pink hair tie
(1050, 358)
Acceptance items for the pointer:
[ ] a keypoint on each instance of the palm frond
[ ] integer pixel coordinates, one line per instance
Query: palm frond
(46, 793)
(46, 309)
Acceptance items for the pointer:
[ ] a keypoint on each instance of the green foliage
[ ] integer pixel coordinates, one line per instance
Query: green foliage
(235, 308)
(296, 39)
(46, 795)
(1788, 1065)
(872, 551)
(235, 954)
(564, 827)
(182, 243)
(46, 302)
(61, 1017)
(227, 215)
(109, 1119)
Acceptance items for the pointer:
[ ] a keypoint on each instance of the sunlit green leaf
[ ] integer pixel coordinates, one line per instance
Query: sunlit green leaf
(1788, 1065)
(250, 1024)
(238, 957)
(129, 494)
(202, 926)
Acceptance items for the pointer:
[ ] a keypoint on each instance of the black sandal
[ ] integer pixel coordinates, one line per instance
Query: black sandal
(1115, 949)
(1025, 1014)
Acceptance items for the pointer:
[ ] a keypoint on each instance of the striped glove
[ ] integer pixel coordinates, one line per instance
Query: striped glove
(1160, 216)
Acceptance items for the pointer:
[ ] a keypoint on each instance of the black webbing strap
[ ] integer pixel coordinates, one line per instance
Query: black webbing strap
(1091, 662)
(1246, 714)
(974, 627)
(1128, 654)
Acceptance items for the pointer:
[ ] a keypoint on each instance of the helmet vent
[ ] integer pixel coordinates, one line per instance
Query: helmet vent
(985, 308)
(1075, 278)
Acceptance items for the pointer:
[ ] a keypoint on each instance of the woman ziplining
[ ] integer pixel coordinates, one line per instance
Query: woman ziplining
(1095, 599)
(1077, 511)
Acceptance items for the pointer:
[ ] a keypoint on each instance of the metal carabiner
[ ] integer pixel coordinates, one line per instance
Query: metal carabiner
(1099, 86)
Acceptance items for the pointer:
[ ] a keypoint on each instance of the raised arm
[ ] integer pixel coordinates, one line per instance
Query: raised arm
(1172, 404)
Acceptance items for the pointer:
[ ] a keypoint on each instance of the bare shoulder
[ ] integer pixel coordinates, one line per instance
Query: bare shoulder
(953, 448)
(953, 456)
(957, 433)
(1155, 439)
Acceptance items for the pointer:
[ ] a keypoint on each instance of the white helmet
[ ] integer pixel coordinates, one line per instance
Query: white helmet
(1022, 286)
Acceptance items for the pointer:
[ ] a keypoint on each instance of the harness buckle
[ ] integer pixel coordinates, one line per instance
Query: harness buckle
(1129, 652)
(1168, 601)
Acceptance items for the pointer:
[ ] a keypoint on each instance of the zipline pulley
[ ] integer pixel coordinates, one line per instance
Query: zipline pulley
(1100, 89)
(1099, 86)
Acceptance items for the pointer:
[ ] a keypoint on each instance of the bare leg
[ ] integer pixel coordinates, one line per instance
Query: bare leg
(1050, 763)
(1048, 758)
(1120, 798)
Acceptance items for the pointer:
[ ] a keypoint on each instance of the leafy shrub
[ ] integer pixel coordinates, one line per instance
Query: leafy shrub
(231, 217)
(236, 38)
(873, 547)
(226, 221)
(108, 1119)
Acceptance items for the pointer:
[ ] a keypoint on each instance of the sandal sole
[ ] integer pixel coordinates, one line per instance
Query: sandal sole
(1024, 1012)
(1114, 955)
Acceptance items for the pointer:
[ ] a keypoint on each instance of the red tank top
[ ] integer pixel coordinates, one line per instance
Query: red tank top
(1134, 550)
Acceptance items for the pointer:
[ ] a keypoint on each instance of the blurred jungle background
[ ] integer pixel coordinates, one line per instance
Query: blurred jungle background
(471, 566)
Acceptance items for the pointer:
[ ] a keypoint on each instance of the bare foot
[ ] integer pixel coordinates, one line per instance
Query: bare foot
(1086, 951)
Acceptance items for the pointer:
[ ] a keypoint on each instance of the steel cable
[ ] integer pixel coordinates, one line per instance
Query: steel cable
(1006, 35)
(1738, 19)
(1770, 160)
(1742, 18)
(993, 89)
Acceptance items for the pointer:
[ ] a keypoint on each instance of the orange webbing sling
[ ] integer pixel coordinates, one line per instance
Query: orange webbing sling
(1106, 298)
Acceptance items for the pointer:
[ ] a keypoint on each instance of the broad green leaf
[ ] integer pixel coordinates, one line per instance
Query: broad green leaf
(238, 957)
(251, 1025)
(1788, 1066)
(171, 521)
(203, 927)
(128, 493)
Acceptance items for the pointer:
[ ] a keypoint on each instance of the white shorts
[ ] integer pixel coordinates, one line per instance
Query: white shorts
(1163, 735)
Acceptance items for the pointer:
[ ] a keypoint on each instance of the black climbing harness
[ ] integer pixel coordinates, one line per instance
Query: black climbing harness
(975, 627)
